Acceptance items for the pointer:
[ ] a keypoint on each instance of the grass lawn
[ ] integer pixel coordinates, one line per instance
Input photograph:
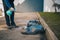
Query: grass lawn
(53, 20)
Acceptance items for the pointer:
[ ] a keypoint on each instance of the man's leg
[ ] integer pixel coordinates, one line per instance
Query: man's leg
(12, 20)
(7, 19)
(6, 16)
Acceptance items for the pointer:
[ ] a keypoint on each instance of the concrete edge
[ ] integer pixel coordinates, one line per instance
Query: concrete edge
(49, 33)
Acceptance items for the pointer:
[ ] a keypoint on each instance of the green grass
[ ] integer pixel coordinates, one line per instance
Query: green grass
(53, 20)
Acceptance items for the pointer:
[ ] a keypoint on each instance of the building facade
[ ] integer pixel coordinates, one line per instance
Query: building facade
(32, 6)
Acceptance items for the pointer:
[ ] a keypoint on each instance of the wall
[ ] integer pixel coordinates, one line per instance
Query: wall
(30, 6)
(33, 5)
(1, 8)
(48, 6)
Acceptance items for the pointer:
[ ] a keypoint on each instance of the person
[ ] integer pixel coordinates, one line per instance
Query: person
(9, 5)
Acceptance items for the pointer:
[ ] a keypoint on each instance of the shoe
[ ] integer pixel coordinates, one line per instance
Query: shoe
(15, 26)
(10, 27)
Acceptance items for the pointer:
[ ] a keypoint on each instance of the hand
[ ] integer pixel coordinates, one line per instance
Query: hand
(9, 12)
(12, 9)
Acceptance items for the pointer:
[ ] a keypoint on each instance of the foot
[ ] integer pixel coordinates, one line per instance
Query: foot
(15, 26)
(10, 27)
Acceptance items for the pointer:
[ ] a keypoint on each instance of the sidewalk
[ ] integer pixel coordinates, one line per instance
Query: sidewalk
(21, 19)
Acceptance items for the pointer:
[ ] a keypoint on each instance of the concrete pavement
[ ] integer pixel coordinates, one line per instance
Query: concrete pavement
(21, 19)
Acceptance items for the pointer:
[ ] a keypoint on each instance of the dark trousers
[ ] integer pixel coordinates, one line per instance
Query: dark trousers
(9, 20)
